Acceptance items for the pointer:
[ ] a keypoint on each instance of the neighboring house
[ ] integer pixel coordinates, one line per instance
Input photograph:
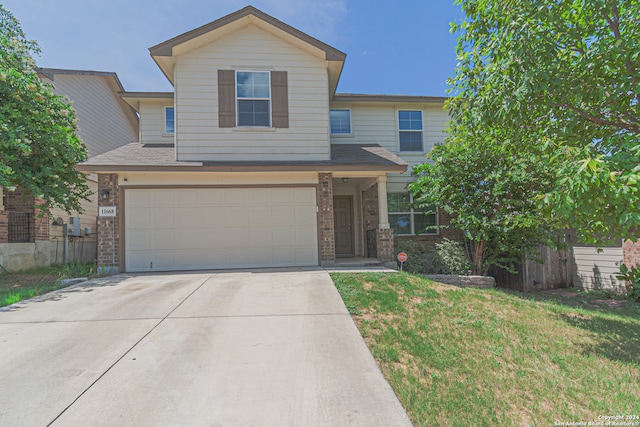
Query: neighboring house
(254, 161)
(105, 122)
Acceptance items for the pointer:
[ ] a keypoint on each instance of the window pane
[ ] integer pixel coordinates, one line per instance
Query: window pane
(410, 141)
(410, 120)
(252, 84)
(253, 113)
(398, 202)
(401, 224)
(425, 224)
(340, 121)
(169, 120)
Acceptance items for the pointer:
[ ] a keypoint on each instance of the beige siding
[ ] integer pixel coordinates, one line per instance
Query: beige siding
(87, 219)
(152, 122)
(377, 124)
(593, 270)
(198, 135)
(103, 120)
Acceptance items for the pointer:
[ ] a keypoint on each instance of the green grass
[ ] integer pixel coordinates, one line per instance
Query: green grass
(460, 357)
(21, 285)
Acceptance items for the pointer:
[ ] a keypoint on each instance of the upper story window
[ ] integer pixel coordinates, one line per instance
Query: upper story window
(410, 130)
(169, 120)
(253, 94)
(406, 220)
(340, 122)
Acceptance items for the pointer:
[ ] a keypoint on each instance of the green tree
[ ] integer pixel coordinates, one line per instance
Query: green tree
(491, 193)
(564, 75)
(38, 144)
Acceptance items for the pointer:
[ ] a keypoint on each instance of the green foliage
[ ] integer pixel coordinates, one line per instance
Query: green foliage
(491, 194)
(38, 144)
(562, 77)
(419, 261)
(632, 277)
(453, 257)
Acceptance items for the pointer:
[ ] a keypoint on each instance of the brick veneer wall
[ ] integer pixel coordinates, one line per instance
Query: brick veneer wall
(385, 244)
(325, 218)
(370, 215)
(4, 226)
(109, 228)
(631, 251)
(17, 201)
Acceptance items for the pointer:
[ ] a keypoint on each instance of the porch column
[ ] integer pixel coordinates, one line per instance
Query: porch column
(109, 227)
(325, 219)
(384, 233)
(383, 213)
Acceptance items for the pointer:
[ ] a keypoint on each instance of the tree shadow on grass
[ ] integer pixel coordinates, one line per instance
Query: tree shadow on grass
(616, 340)
(62, 292)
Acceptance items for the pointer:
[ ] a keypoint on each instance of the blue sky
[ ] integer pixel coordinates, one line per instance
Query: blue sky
(401, 47)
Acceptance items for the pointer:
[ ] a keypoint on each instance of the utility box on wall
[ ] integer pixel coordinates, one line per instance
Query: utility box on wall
(73, 228)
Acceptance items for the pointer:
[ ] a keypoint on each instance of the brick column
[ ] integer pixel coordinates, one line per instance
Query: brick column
(4, 225)
(325, 219)
(109, 227)
(385, 247)
(631, 251)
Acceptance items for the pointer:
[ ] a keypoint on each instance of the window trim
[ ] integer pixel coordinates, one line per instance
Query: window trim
(345, 134)
(237, 101)
(400, 150)
(412, 214)
(166, 107)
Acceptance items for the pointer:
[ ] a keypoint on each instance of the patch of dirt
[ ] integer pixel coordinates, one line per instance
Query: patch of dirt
(367, 286)
(609, 302)
(11, 281)
(559, 292)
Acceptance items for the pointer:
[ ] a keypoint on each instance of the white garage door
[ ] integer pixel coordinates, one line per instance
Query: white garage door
(188, 229)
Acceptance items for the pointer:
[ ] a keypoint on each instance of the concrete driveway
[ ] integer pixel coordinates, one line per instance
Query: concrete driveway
(243, 348)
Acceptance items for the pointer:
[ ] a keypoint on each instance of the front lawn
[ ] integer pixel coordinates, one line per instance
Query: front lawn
(487, 357)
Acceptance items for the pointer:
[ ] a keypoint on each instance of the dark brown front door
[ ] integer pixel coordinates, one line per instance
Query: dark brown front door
(343, 225)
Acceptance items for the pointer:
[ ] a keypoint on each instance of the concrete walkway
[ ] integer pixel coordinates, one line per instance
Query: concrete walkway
(245, 348)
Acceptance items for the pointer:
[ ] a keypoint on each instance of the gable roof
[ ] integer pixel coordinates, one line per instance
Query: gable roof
(163, 53)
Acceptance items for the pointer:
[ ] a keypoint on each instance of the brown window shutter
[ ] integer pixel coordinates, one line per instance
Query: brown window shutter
(279, 100)
(227, 98)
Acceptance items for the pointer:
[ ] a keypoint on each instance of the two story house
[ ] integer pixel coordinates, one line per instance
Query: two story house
(254, 160)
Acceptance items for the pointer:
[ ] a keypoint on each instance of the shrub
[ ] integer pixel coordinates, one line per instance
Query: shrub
(451, 257)
(632, 277)
(418, 261)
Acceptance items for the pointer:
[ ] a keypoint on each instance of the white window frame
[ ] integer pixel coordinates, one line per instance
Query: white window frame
(165, 119)
(411, 213)
(339, 134)
(238, 125)
(400, 150)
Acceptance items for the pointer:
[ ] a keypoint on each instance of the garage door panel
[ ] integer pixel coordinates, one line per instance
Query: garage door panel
(235, 216)
(303, 196)
(138, 217)
(185, 229)
(213, 197)
(261, 236)
(186, 198)
(282, 215)
(162, 239)
(258, 196)
(139, 198)
(236, 196)
(162, 217)
(304, 216)
(162, 198)
(185, 217)
(259, 216)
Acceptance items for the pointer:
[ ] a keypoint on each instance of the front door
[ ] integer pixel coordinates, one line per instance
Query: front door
(343, 225)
